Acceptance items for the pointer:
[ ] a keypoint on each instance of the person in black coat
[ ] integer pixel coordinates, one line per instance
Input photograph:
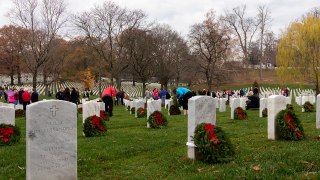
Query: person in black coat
(59, 95)
(74, 96)
(254, 100)
(67, 95)
(34, 96)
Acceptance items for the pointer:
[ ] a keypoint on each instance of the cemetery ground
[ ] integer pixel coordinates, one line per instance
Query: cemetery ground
(130, 150)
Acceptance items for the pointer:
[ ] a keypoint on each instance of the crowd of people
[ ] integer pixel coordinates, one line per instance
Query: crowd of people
(23, 96)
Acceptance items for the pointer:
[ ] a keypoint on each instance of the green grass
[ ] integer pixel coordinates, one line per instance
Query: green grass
(131, 151)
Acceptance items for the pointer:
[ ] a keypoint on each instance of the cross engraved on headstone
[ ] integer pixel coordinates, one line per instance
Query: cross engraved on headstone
(54, 110)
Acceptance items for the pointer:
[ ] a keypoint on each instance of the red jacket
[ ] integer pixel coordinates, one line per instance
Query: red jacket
(109, 91)
(26, 97)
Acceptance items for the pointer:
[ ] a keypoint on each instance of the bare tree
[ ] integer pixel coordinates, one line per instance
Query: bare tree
(244, 28)
(43, 21)
(140, 48)
(209, 42)
(102, 26)
(264, 18)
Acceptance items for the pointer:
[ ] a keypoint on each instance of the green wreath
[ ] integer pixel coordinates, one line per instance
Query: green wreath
(20, 113)
(174, 110)
(94, 126)
(289, 126)
(9, 134)
(239, 113)
(104, 115)
(133, 110)
(141, 113)
(80, 110)
(213, 144)
(157, 120)
(265, 112)
(308, 107)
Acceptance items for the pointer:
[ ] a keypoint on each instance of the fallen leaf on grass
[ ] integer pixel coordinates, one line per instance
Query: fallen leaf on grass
(199, 169)
(310, 173)
(256, 168)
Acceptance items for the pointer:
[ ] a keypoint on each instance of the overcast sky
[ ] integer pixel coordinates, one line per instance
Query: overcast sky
(181, 14)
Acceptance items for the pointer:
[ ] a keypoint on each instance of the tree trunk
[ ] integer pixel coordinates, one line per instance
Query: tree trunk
(143, 89)
(118, 83)
(11, 79)
(19, 75)
(45, 83)
(133, 82)
(166, 86)
(34, 79)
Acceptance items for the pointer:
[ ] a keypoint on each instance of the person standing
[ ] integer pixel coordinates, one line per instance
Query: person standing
(155, 94)
(26, 97)
(122, 96)
(20, 96)
(59, 94)
(17, 97)
(183, 95)
(34, 95)
(107, 97)
(163, 94)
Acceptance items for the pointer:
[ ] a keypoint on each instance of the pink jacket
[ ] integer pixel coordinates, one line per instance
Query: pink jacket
(110, 91)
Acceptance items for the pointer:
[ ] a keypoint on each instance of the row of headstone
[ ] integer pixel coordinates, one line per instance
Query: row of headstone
(152, 106)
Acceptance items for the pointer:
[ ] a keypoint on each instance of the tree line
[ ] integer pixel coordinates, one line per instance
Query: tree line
(119, 43)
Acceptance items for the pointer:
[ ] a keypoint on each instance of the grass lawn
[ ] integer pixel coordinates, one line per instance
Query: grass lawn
(131, 151)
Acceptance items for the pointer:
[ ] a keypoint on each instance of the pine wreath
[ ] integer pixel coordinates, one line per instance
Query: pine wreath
(308, 107)
(20, 113)
(80, 110)
(213, 144)
(104, 115)
(174, 110)
(94, 126)
(141, 113)
(289, 126)
(265, 112)
(157, 120)
(133, 110)
(239, 113)
(9, 134)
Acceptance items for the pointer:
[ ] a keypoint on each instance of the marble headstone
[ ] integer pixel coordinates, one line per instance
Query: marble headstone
(51, 137)
(222, 104)
(167, 102)
(7, 115)
(139, 103)
(276, 103)
(153, 106)
(19, 106)
(90, 108)
(234, 103)
(202, 109)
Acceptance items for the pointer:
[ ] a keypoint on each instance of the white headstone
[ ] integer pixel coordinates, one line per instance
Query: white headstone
(276, 103)
(51, 137)
(102, 106)
(19, 106)
(222, 104)
(318, 112)
(243, 101)
(166, 103)
(202, 109)
(90, 108)
(153, 106)
(170, 103)
(138, 104)
(7, 115)
(263, 105)
(234, 103)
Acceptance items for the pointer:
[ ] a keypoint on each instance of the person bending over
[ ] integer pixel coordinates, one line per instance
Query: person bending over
(183, 95)
(107, 97)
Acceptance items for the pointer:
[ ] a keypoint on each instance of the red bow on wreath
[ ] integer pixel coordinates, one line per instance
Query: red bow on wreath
(212, 136)
(5, 133)
(158, 118)
(102, 115)
(289, 120)
(95, 122)
(240, 113)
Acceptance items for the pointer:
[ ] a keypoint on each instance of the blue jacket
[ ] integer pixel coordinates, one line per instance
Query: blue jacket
(181, 92)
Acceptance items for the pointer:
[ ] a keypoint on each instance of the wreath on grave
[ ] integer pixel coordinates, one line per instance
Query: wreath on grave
(289, 125)
(9, 134)
(141, 113)
(308, 107)
(133, 110)
(174, 110)
(239, 113)
(80, 110)
(20, 113)
(213, 144)
(157, 120)
(265, 112)
(94, 126)
(104, 115)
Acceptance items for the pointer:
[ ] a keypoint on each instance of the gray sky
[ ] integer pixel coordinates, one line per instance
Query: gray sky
(181, 14)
